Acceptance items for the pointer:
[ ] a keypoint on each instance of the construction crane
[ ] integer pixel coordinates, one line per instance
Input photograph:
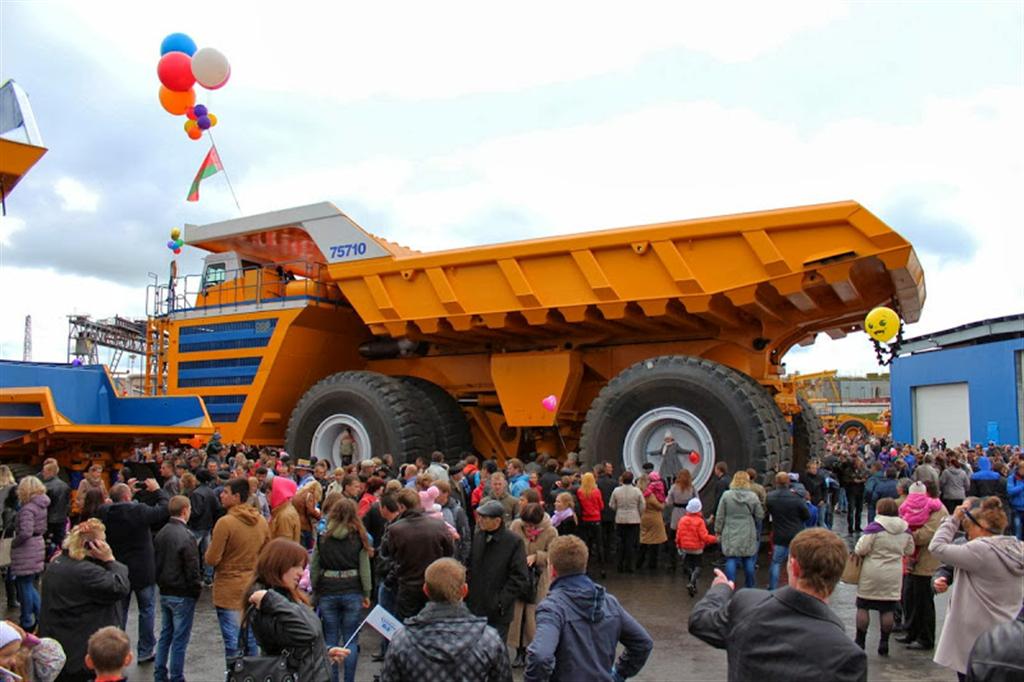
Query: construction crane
(86, 336)
(26, 352)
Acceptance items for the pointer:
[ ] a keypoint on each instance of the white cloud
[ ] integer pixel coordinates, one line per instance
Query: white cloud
(75, 196)
(8, 226)
(49, 297)
(425, 50)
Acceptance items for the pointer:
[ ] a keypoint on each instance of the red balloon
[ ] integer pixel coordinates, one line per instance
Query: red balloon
(177, 251)
(694, 457)
(191, 113)
(175, 71)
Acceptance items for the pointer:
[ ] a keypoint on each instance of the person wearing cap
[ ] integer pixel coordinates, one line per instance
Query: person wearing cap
(692, 537)
(304, 472)
(497, 568)
(788, 514)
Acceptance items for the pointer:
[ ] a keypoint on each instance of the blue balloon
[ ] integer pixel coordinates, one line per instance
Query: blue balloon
(178, 42)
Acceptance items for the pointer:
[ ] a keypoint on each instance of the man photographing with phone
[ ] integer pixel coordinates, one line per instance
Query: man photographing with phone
(130, 523)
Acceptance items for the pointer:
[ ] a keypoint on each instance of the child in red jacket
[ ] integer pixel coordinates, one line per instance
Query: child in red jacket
(692, 537)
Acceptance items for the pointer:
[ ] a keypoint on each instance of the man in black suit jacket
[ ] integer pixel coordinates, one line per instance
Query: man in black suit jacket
(130, 525)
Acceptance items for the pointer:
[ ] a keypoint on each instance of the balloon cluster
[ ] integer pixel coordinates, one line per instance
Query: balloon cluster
(181, 66)
(176, 241)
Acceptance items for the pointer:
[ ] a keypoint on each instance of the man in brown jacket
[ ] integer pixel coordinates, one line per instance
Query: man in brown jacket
(918, 600)
(237, 540)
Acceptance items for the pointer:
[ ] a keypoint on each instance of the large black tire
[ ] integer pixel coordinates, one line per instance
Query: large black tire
(387, 408)
(853, 425)
(779, 440)
(740, 420)
(449, 428)
(808, 439)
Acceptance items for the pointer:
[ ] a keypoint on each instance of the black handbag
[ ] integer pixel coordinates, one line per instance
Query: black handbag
(532, 584)
(258, 668)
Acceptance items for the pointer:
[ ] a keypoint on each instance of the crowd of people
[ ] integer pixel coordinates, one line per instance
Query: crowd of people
(495, 568)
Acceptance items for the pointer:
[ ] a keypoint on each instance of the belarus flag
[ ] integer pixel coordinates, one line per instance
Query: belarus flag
(211, 164)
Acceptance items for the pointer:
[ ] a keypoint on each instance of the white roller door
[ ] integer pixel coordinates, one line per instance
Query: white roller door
(942, 411)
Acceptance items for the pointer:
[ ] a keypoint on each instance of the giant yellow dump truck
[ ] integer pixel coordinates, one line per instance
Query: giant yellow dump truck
(305, 330)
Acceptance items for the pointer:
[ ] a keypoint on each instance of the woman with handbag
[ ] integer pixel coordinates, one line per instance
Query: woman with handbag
(885, 542)
(534, 528)
(340, 576)
(282, 620)
(28, 551)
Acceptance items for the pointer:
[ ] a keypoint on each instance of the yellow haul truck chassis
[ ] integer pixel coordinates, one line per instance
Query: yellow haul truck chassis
(306, 330)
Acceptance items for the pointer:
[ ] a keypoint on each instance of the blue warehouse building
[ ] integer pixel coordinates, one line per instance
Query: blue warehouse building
(961, 384)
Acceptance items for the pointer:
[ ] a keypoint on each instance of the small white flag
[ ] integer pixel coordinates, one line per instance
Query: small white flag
(383, 622)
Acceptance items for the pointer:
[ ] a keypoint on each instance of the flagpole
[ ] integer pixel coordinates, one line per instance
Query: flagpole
(213, 142)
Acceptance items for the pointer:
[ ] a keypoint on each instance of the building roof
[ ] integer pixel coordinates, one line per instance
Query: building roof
(972, 334)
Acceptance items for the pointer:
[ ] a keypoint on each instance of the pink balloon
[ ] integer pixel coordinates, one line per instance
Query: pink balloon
(550, 403)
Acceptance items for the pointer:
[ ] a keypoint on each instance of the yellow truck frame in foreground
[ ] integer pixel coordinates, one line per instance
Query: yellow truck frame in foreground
(306, 330)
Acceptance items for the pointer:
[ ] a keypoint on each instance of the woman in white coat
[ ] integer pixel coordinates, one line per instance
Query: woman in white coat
(885, 542)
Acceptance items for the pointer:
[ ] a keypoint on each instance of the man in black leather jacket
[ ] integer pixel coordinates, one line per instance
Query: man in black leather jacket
(997, 655)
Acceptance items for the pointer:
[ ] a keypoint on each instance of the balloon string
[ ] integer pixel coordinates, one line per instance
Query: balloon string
(225, 171)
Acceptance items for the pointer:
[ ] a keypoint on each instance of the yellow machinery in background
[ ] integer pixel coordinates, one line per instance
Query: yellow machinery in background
(305, 330)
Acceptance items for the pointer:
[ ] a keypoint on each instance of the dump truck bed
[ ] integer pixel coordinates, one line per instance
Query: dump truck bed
(42, 403)
(771, 279)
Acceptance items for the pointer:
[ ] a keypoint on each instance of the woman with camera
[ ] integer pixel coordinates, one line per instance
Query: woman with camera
(988, 577)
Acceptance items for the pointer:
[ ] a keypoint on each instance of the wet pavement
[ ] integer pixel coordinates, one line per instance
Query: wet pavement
(658, 600)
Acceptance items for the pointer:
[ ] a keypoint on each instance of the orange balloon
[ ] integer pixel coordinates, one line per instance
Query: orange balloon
(189, 125)
(176, 103)
(194, 133)
(213, 120)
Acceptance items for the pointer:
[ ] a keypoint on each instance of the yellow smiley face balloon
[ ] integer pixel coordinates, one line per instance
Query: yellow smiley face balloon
(882, 324)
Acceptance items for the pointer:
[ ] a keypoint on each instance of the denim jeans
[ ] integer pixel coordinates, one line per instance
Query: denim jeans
(175, 630)
(28, 595)
(203, 539)
(341, 616)
(387, 598)
(1018, 523)
(843, 500)
(748, 568)
(779, 556)
(229, 621)
(824, 515)
(145, 599)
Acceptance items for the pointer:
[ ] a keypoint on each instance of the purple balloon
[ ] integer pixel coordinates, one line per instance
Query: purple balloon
(200, 110)
(76, 363)
(203, 122)
(171, 245)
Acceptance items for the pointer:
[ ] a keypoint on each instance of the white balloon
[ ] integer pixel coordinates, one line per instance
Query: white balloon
(210, 68)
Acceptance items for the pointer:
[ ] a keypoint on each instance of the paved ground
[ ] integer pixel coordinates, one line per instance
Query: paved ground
(659, 601)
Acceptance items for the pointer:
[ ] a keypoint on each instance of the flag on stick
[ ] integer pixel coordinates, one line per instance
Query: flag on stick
(211, 165)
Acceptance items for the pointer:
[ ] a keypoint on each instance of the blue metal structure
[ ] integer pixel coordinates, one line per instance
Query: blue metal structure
(986, 356)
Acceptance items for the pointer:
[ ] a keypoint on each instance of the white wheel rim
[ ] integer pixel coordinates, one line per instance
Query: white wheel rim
(647, 435)
(326, 443)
